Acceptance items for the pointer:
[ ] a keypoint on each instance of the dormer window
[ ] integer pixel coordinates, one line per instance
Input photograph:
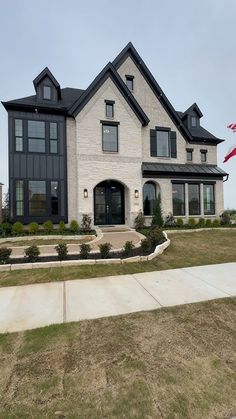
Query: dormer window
(47, 92)
(130, 82)
(193, 121)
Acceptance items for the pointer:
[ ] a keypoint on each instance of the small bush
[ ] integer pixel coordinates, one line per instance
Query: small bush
(225, 218)
(192, 222)
(127, 249)
(180, 222)
(17, 228)
(157, 219)
(74, 226)
(201, 222)
(32, 254)
(170, 221)
(33, 228)
(86, 222)
(61, 250)
(105, 249)
(5, 254)
(5, 230)
(48, 226)
(62, 226)
(85, 249)
(139, 221)
(216, 223)
(208, 223)
(146, 245)
(156, 236)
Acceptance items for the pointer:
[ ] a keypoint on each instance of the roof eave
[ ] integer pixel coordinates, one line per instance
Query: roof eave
(32, 108)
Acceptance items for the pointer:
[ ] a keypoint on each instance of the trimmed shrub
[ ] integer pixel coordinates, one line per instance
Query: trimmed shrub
(5, 230)
(62, 226)
(157, 219)
(33, 228)
(180, 222)
(192, 222)
(85, 249)
(225, 218)
(139, 221)
(127, 249)
(170, 221)
(156, 236)
(5, 254)
(216, 223)
(32, 254)
(86, 222)
(48, 226)
(105, 249)
(146, 245)
(208, 223)
(201, 222)
(74, 226)
(61, 250)
(17, 228)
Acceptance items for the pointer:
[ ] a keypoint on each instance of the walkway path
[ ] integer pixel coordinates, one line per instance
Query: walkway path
(30, 306)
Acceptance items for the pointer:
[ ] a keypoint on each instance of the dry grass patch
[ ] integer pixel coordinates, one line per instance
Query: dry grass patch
(44, 242)
(170, 363)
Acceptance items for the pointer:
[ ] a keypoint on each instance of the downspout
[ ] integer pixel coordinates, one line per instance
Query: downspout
(227, 177)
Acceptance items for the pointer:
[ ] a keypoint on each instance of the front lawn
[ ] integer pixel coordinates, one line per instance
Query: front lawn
(44, 242)
(169, 363)
(186, 249)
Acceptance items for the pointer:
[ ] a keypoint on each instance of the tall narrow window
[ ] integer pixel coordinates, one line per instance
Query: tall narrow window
(36, 136)
(54, 198)
(19, 197)
(203, 156)
(53, 138)
(109, 109)
(209, 199)
(37, 198)
(110, 138)
(178, 198)
(163, 144)
(149, 196)
(193, 121)
(189, 154)
(194, 199)
(130, 82)
(47, 92)
(18, 135)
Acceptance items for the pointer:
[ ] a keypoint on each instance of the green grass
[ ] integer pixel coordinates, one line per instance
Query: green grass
(169, 363)
(186, 249)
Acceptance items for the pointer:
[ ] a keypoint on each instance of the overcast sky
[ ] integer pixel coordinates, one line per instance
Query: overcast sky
(189, 46)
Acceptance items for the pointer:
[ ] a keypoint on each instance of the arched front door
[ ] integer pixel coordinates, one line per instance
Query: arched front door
(109, 203)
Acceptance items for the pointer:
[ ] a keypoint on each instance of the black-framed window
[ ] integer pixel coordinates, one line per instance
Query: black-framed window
(130, 82)
(37, 198)
(54, 198)
(194, 199)
(110, 138)
(53, 137)
(36, 136)
(109, 109)
(189, 154)
(193, 121)
(178, 198)
(163, 143)
(149, 196)
(19, 197)
(47, 92)
(18, 135)
(203, 156)
(209, 199)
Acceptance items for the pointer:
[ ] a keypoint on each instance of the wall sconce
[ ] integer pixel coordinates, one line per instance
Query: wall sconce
(136, 193)
(85, 193)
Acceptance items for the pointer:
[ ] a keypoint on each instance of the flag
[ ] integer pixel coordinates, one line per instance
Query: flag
(231, 153)
(232, 126)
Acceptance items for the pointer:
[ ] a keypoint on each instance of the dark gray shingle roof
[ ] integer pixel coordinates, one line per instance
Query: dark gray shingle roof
(183, 169)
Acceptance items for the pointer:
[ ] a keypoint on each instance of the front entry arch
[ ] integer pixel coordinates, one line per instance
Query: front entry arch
(109, 203)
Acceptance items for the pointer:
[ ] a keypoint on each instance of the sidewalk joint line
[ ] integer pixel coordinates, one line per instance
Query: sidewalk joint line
(147, 290)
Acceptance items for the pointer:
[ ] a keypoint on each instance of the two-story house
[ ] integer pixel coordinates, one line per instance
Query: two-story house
(109, 150)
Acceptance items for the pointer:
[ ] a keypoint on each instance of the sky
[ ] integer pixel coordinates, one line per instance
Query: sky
(189, 46)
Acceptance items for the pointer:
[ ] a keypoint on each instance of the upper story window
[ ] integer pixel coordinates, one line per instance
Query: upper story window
(36, 136)
(109, 108)
(53, 137)
(163, 143)
(193, 121)
(47, 94)
(203, 156)
(18, 135)
(189, 152)
(110, 137)
(130, 82)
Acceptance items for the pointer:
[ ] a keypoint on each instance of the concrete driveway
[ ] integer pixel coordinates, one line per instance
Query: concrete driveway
(30, 306)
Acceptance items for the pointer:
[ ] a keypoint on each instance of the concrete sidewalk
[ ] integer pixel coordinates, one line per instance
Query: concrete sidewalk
(30, 306)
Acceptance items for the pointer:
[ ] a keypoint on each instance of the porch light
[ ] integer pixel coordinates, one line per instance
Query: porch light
(85, 193)
(136, 193)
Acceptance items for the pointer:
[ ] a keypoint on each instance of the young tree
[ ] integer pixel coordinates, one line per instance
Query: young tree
(157, 219)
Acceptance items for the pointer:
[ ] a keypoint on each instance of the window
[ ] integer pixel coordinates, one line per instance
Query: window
(193, 121)
(53, 137)
(209, 199)
(149, 196)
(47, 92)
(194, 199)
(110, 138)
(36, 136)
(37, 198)
(189, 154)
(109, 109)
(54, 198)
(178, 198)
(18, 134)
(163, 146)
(19, 197)
(130, 82)
(203, 156)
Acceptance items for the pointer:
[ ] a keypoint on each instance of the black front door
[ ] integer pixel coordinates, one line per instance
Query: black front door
(109, 203)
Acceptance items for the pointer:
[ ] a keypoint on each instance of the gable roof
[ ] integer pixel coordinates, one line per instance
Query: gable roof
(109, 72)
(47, 73)
(193, 107)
